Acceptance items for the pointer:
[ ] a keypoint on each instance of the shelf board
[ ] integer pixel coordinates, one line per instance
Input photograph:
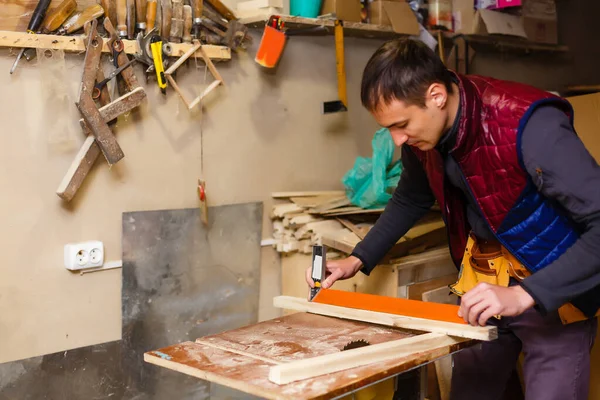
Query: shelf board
(76, 44)
(512, 43)
(355, 29)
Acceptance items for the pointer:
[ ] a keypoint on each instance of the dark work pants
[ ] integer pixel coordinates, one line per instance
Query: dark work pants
(556, 359)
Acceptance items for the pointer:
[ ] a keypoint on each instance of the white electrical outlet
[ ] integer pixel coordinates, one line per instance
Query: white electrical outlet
(84, 255)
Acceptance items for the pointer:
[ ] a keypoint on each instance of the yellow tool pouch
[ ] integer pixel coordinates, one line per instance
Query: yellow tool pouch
(490, 262)
(482, 262)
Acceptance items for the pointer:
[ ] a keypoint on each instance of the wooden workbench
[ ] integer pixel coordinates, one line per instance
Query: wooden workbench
(241, 358)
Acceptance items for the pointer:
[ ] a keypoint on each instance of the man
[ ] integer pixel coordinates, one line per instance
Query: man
(520, 196)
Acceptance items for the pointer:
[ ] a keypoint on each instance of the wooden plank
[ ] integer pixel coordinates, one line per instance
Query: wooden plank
(283, 195)
(358, 231)
(241, 358)
(76, 44)
(312, 201)
(354, 211)
(342, 240)
(390, 305)
(419, 324)
(312, 367)
(441, 295)
(421, 258)
(280, 210)
(355, 29)
(330, 205)
(416, 290)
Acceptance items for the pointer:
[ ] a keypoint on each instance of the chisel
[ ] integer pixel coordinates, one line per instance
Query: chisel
(187, 24)
(78, 20)
(130, 19)
(34, 24)
(167, 15)
(177, 22)
(122, 18)
(197, 6)
(57, 16)
(140, 12)
(150, 15)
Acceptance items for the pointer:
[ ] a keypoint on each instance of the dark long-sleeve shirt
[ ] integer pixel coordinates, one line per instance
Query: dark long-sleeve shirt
(562, 170)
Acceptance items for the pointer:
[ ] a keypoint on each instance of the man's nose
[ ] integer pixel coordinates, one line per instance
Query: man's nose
(399, 138)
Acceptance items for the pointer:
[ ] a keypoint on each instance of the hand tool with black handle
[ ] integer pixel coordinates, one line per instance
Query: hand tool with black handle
(34, 24)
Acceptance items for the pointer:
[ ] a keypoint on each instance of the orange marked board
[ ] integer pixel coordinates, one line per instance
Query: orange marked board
(390, 305)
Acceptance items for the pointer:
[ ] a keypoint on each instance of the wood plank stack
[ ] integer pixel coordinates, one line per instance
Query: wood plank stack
(304, 219)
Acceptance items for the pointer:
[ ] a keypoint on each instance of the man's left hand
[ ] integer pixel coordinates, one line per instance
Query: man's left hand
(485, 300)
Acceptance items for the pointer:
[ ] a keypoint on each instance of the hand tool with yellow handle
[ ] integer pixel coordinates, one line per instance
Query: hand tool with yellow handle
(150, 15)
(122, 18)
(156, 47)
(34, 24)
(78, 20)
(140, 12)
(187, 24)
(167, 16)
(342, 103)
(58, 15)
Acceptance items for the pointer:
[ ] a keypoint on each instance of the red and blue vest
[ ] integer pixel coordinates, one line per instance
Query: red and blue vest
(488, 151)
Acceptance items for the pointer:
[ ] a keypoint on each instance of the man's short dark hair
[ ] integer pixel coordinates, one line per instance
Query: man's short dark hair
(402, 69)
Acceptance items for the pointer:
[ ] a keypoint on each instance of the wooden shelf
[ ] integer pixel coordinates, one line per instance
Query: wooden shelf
(509, 43)
(356, 29)
(76, 44)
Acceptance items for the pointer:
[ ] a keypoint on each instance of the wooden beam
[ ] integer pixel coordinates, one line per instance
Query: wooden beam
(283, 195)
(315, 366)
(76, 44)
(418, 324)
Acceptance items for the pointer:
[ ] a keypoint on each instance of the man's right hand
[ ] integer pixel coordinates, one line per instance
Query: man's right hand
(336, 269)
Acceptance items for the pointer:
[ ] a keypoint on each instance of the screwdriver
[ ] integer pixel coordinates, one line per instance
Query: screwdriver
(78, 20)
(34, 24)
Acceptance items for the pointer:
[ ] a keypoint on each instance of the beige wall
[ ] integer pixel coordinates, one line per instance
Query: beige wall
(262, 133)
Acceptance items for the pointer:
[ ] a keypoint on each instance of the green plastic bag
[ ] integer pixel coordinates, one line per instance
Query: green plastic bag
(371, 182)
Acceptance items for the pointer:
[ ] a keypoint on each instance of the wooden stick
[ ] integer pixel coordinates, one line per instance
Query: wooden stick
(329, 363)
(178, 90)
(183, 58)
(419, 324)
(206, 91)
(77, 44)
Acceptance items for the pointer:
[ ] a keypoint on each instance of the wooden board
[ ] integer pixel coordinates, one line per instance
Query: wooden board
(390, 305)
(414, 323)
(76, 44)
(283, 195)
(355, 29)
(241, 358)
(416, 290)
(375, 353)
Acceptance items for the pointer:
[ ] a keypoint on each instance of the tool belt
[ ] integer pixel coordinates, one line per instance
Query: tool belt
(490, 262)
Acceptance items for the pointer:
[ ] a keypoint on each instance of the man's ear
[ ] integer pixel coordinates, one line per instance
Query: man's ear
(437, 95)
